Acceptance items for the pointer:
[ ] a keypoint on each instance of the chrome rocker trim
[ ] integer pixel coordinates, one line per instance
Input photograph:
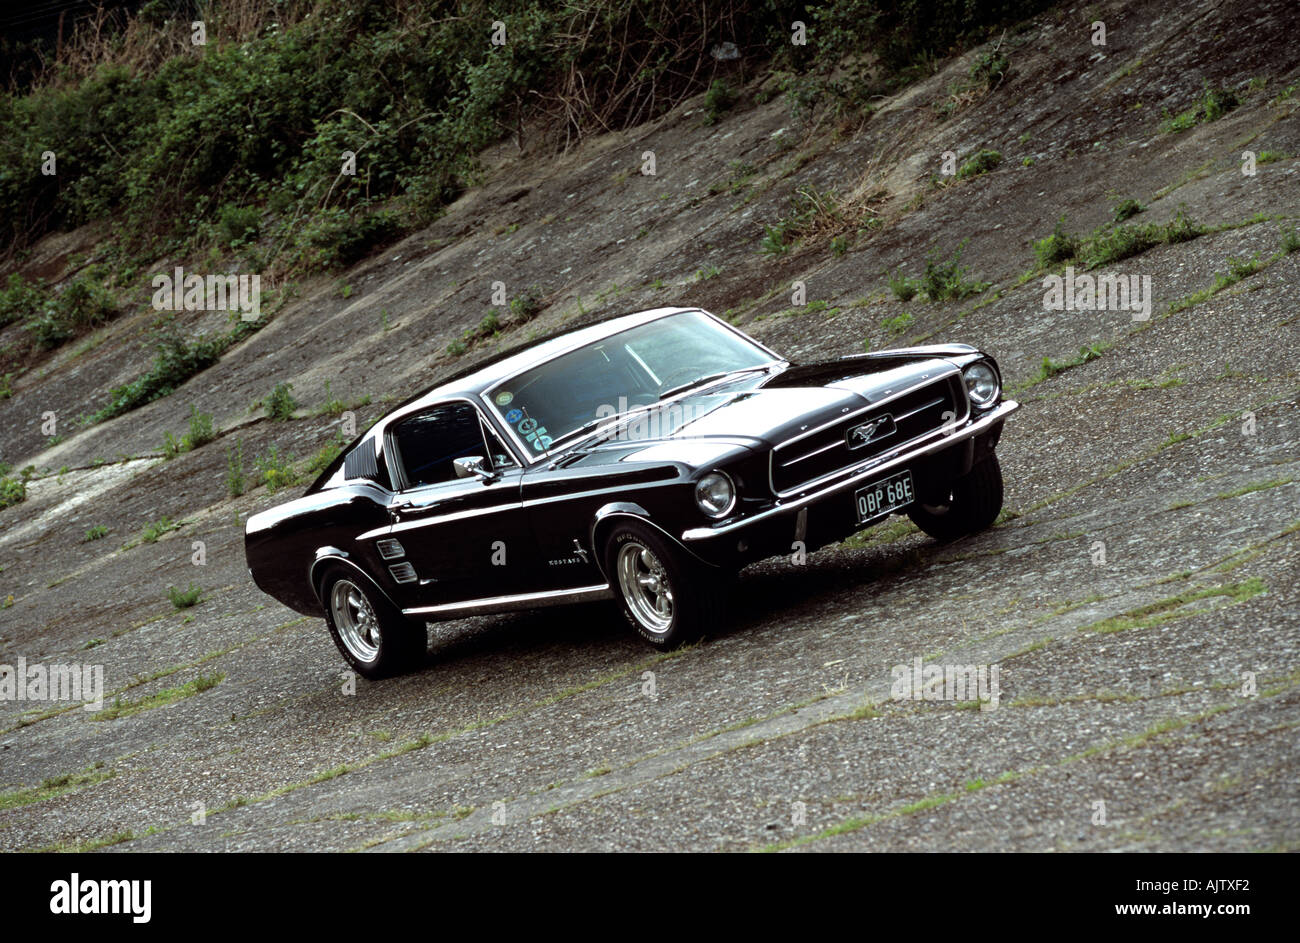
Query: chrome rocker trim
(855, 474)
(491, 604)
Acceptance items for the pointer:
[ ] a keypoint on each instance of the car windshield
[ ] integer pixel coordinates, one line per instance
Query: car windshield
(632, 368)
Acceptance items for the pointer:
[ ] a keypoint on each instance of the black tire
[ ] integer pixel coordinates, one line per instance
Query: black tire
(395, 645)
(696, 593)
(971, 504)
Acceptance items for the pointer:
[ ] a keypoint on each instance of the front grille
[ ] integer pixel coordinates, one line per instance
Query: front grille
(894, 422)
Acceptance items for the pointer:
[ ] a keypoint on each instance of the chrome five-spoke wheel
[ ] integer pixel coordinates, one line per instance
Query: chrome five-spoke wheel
(354, 617)
(645, 586)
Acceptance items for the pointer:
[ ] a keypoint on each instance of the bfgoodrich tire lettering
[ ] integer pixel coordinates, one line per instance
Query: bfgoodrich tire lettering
(667, 597)
(372, 635)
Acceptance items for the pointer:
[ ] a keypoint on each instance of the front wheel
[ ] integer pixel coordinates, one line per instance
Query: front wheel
(969, 505)
(668, 598)
(372, 635)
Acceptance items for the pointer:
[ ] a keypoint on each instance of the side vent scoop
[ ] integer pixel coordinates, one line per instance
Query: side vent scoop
(390, 549)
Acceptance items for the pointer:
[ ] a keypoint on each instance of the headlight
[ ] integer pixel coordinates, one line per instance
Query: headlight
(981, 383)
(715, 494)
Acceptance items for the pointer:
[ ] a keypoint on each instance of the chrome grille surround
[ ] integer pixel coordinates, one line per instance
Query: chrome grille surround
(824, 453)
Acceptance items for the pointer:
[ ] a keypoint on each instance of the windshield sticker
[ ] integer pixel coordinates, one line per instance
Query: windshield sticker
(514, 416)
(504, 397)
(528, 426)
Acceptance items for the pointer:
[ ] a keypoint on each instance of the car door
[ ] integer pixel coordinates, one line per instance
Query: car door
(464, 538)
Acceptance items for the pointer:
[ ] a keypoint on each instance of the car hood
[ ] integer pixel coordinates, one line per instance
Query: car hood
(782, 405)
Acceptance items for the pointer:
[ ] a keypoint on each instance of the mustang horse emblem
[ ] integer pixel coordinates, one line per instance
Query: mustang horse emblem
(870, 431)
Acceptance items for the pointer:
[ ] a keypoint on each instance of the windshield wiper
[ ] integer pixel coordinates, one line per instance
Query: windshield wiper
(613, 419)
(712, 377)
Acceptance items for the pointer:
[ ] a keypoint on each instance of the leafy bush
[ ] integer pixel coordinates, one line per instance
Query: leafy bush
(235, 481)
(1056, 248)
(904, 288)
(527, 304)
(719, 98)
(1126, 209)
(239, 224)
(990, 67)
(945, 279)
(21, 299)
(171, 447)
(275, 470)
(1213, 104)
(95, 533)
(323, 456)
(176, 361)
(152, 532)
(201, 432)
(898, 324)
(184, 598)
(12, 491)
(980, 163)
(1290, 239)
(281, 404)
(82, 305)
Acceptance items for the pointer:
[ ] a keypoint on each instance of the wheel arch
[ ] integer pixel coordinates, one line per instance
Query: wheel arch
(327, 556)
(608, 517)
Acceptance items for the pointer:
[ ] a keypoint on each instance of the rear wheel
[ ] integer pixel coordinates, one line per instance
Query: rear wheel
(969, 505)
(372, 635)
(668, 598)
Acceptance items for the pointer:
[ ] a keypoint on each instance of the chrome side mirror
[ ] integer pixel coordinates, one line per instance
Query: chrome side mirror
(473, 466)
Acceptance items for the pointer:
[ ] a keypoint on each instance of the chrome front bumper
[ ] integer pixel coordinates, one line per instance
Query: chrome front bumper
(857, 474)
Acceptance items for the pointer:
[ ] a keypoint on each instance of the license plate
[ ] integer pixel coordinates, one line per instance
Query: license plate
(881, 497)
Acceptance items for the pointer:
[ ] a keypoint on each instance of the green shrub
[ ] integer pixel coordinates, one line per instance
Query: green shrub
(1290, 239)
(338, 238)
(898, 324)
(21, 300)
(323, 456)
(239, 224)
(275, 470)
(281, 404)
(184, 598)
(527, 304)
(152, 532)
(945, 279)
(235, 481)
(1213, 104)
(719, 98)
(175, 362)
(1126, 209)
(980, 163)
(1056, 248)
(95, 533)
(990, 68)
(12, 491)
(171, 447)
(774, 242)
(904, 288)
(201, 432)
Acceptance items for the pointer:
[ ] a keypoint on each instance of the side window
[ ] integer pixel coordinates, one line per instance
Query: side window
(429, 442)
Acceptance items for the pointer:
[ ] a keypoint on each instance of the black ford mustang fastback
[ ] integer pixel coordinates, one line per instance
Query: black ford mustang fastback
(645, 459)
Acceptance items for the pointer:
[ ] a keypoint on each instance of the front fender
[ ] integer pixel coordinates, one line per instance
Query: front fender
(610, 514)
